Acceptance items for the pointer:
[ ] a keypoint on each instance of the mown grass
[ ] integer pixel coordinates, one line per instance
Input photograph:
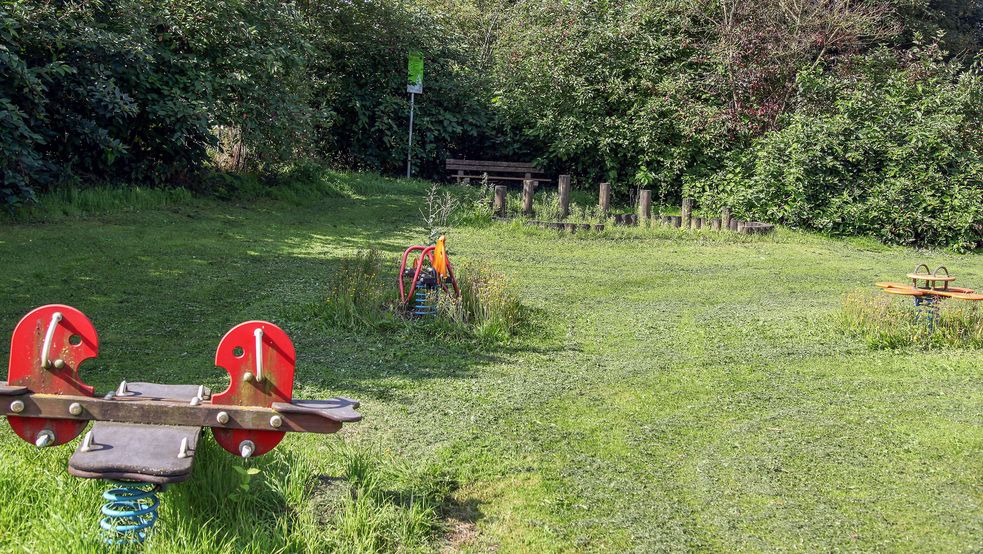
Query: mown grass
(675, 390)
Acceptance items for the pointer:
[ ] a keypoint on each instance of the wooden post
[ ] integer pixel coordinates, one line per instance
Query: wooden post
(725, 218)
(676, 221)
(696, 223)
(644, 205)
(528, 189)
(733, 224)
(499, 207)
(686, 212)
(604, 197)
(715, 224)
(563, 187)
(740, 226)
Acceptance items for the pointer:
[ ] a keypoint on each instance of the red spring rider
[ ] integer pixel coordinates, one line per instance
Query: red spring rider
(430, 273)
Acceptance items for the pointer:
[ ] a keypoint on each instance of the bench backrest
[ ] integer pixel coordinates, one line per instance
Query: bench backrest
(497, 171)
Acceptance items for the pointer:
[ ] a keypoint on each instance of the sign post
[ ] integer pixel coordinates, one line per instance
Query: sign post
(414, 86)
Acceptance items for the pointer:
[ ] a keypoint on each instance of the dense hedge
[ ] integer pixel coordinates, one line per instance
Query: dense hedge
(86, 93)
(140, 91)
(893, 149)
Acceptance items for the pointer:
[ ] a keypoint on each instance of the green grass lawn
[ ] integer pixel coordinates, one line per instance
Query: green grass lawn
(673, 391)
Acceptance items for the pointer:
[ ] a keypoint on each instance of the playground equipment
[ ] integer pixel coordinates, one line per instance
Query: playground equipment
(145, 435)
(429, 273)
(934, 288)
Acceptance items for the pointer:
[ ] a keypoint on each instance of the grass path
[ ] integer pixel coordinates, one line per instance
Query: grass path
(676, 392)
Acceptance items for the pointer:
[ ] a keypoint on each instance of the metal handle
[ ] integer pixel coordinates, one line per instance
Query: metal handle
(258, 333)
(55, 320)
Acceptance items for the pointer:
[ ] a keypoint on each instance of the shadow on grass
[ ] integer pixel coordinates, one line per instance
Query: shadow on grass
(164, 287)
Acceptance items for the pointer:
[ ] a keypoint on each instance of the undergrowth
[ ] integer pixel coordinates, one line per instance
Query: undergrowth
(298, 185)
(886, 322)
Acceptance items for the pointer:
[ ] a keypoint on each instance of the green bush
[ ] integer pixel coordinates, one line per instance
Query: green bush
(597, 90)
(91, 92)
(892, 150)
(358, 73)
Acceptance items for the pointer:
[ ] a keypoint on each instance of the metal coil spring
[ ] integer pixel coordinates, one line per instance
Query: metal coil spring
(130, 511)
(927, 311)
(425, 302)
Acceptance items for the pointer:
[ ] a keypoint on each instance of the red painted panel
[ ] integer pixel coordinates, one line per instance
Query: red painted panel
(26, 370)
(279, 360)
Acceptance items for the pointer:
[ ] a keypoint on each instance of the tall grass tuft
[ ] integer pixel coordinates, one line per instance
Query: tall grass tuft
(359, 297)
(488, 307)
(363, 295)
(885, 322)
(391, 506)
(72, 202)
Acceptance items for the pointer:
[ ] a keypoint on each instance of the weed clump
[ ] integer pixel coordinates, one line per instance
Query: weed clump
(363, 295)
(389, 506)
(358, 296)
(488, 308)
(887, 322)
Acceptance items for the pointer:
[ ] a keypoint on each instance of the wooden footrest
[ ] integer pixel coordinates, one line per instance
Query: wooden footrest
(339, 409)
(153, 391)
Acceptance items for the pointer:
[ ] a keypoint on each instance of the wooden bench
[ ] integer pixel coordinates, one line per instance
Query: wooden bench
(496, 171)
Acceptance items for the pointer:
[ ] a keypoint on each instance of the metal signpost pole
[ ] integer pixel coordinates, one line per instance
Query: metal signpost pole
(409, 147)
(414, 86)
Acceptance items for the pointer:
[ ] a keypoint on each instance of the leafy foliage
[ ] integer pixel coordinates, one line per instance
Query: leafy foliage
(717, 97)
(893, 149)
(359, 73)
(90, 91)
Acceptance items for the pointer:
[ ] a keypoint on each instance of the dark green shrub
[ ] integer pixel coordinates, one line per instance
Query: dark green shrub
(598, 90)
(359, 75)
(892, 149)
(90, 92)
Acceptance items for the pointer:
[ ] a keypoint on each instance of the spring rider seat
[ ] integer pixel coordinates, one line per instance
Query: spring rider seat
(145, 435)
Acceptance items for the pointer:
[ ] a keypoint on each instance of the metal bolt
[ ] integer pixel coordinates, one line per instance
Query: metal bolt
(75, 408)
(201, 392)
(248, 376)
(45, 438)
(222, 417)
(59, 363)
(195, 401)
(17, 406)
(246, 448)
(276, 421)
(122, 391)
